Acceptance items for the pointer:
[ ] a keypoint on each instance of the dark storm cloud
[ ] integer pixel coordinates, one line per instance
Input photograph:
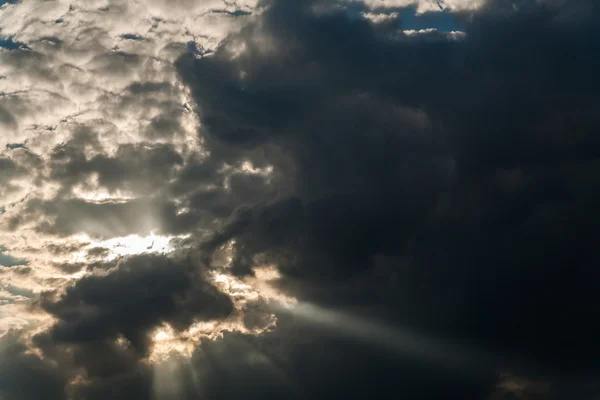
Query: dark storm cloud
(24, 376)
(141, 293)
(352, 150)
(362, 164)
(462, 170)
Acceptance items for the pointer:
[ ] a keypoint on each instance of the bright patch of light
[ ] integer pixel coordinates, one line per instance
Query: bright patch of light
(135, 244)
(452, 35)
(11, 323)
(379, 18)
(235, 287)
(423, 6)
(161, 336)
(249, 168)
(412, 32)
(253, 288)
(167, 343)
(100, 196)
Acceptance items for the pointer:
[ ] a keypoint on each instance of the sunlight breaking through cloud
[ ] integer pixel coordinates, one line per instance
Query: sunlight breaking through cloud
(248, 199)
(135, 244)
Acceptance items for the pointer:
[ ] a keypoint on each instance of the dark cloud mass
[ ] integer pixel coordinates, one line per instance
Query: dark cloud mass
(444, 183)
(463, 169)
(19, 369)
(139, 294)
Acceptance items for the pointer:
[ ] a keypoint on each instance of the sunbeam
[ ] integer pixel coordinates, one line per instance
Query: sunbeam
(403, 342)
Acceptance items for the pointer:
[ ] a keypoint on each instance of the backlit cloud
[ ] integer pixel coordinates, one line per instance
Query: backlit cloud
(262, 198)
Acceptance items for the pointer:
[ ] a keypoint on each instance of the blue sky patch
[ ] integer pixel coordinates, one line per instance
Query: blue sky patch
(9, 261)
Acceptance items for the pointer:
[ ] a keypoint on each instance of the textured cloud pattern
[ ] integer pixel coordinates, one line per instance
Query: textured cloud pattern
(299, 199)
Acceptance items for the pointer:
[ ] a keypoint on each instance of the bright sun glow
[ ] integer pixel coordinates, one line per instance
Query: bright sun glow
(135, 244)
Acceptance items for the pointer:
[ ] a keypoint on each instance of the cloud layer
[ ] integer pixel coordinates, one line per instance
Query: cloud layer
(181, 181)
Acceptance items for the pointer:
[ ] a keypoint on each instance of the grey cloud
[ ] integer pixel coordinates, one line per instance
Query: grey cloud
(8, 169)
(17, 169)
(445, 185)
(300, 360)
(58, 249)
(257, 314)
(21, 268)
(34, 64)
(96, 252)
(117, 64)
(350, 147)
(131, 36)
(100, 220)
(140, 168)
(115, 218)
(70, 268)
(155, 103)
(135, 296)
(25, 376)
(7, 119)
(135, 384)
(137, 165)
(142, 292)
(410, 150)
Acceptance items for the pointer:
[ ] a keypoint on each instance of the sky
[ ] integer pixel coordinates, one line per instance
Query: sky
(299, 199)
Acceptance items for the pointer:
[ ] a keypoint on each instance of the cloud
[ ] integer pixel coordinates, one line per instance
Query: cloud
(454, 162)
(25, 376)
(138, 169)
(423, 6)
(140, 293)
(434, 172)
